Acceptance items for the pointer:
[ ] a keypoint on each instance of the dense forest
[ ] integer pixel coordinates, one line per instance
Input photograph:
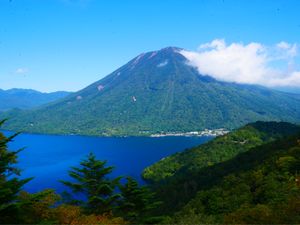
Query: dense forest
(220, 149)
(248, 176)
(258, 185)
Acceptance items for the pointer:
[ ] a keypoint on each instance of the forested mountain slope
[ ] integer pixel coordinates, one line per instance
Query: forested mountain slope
(157, 92)
(261, 186)
(231, 173)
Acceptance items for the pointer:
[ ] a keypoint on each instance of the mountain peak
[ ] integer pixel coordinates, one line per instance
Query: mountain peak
(157, 92)
(158, 56)
(171, 49)
(168, 51)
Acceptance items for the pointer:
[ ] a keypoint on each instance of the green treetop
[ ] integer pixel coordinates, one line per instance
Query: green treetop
(137, 203)
(93, 183)
(10, 184)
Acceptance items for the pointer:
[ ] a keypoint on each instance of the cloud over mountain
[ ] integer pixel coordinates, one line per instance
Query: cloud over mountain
(159, 92)
(252, 63)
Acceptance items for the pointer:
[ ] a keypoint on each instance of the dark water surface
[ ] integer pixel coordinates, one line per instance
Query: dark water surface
(48, 158)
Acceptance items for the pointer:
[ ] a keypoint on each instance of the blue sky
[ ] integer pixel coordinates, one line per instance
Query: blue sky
(52, 45)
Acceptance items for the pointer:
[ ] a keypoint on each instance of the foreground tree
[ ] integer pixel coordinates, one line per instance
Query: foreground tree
(10, 184)
(94, 185)
(137, 203)
(36, 208)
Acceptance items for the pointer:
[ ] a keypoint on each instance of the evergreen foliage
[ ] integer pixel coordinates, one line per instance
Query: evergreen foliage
(137, 203)
(94, 185)
(10, 184)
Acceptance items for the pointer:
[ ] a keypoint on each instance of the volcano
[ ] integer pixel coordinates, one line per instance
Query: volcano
(156, 92)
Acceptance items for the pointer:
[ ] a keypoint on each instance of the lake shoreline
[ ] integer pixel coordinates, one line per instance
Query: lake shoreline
(203, 133)
(48, 158)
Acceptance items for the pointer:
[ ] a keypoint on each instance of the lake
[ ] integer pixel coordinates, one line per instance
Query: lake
(48, 158)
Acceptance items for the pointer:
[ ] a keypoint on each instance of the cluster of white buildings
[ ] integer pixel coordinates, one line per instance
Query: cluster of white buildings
(206, 132)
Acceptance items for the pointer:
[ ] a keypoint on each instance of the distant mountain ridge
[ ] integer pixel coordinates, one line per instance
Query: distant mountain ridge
(27, 98)
(157, 92)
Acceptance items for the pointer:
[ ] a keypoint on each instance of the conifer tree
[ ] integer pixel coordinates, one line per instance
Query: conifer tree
(94, 185)
(10, 184)
(137, 203)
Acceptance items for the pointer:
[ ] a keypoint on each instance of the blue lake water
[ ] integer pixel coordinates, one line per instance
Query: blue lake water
(48, 158)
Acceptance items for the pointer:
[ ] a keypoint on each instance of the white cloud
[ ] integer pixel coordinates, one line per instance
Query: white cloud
(283, 45)
(287, 50)
(21, 70)
(292, 80)
(252, 63)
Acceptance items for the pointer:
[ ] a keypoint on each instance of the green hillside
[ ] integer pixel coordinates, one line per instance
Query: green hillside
(257, 187)
(219, 149)
(157, 92)
(204, 166)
